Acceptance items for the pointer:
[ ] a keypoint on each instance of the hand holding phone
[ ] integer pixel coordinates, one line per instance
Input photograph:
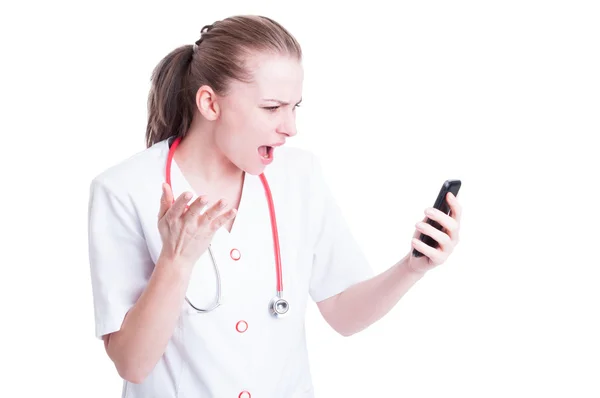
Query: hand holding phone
(452, 186)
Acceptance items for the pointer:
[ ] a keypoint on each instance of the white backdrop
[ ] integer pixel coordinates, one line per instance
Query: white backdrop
(502, 95)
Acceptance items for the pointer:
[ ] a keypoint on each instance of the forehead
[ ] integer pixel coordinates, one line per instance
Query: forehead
(273, 76)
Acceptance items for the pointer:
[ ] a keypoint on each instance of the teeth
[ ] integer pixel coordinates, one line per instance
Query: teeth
(265, 151)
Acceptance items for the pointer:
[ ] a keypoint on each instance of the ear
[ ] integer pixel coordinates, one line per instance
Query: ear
(206, 102)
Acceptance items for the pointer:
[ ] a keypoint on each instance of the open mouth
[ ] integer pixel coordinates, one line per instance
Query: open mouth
(265, 151)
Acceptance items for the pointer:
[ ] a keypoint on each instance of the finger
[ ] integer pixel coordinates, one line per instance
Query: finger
(166, 199)
(455, 207)
(213, 212)
(428, 251)
(195, 209)
(178, 207)
(417, 232)
(440, 237)
(222, 220)
(443, 219)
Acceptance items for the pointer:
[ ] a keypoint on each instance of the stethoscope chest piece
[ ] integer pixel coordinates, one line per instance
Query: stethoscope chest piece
(279, 307)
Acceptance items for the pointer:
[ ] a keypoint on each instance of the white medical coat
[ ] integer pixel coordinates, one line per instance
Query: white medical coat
(239, 346)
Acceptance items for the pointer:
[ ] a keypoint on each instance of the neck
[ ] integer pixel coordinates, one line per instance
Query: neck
(202, 162)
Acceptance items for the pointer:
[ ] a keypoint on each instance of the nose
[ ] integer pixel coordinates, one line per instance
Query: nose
(287, 125)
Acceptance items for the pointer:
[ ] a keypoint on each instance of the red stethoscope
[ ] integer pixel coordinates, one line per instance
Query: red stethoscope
(278, 305)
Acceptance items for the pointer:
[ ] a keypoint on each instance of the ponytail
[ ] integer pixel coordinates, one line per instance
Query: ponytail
(170, 110)
(214, 60)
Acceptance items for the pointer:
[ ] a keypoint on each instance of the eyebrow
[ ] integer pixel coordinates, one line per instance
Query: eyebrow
(279, 101)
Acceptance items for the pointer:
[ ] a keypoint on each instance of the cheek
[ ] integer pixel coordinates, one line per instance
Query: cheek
(236, 116)
(251, 124)
(242, 129)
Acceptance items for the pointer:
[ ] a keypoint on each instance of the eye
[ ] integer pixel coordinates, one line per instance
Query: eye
(274, 108)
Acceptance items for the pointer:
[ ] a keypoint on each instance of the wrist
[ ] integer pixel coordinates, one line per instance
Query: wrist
(414, 265)
(174, 262)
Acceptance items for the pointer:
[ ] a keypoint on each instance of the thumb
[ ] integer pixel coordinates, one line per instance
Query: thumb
(166, 200)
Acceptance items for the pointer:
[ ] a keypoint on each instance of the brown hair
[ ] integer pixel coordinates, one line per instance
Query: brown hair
(213, 60)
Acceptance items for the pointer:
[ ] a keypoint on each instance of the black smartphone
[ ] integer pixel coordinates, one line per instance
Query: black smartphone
(440, 204)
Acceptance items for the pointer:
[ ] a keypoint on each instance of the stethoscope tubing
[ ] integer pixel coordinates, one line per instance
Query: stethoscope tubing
(278, 300)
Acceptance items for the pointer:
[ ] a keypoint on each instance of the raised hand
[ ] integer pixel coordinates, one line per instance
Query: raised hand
(447, 239)
(185, 231)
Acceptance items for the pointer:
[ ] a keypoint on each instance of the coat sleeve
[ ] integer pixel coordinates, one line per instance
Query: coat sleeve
(338, 260)
(120, 262)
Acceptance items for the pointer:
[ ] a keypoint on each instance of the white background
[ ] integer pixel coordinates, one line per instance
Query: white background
(502, 95)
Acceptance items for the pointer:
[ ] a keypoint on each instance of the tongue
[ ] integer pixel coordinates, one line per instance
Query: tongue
(263, 151)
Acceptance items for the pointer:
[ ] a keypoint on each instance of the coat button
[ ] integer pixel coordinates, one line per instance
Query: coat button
(235, 254)
(241, 326)
(244, 394)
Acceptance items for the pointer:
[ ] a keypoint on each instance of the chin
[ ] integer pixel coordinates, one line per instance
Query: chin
(252, 165)
(255, 170)
(252, 168)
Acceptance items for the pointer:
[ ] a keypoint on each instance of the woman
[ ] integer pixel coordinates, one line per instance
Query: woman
(187, 225)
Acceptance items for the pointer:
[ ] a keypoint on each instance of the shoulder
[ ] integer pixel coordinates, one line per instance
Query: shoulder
(132, 174)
